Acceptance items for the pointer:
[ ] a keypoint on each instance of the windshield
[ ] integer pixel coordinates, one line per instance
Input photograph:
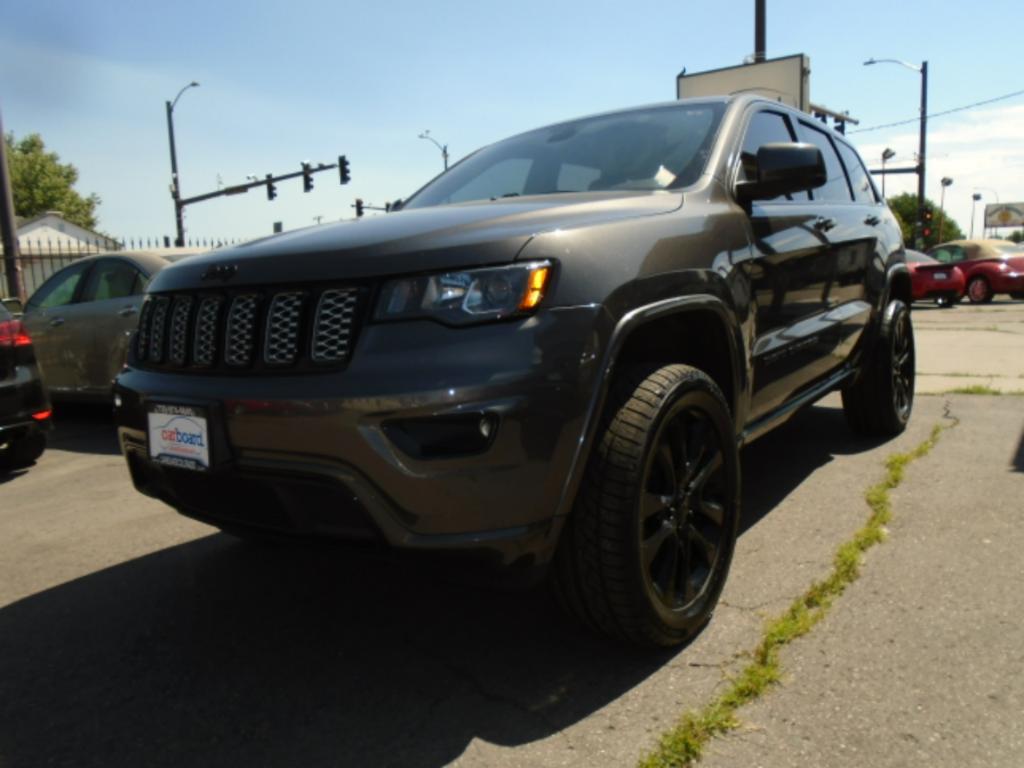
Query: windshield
(646, 149)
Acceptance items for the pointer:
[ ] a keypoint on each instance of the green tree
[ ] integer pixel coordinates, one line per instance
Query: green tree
(905, 208)
(40, 182)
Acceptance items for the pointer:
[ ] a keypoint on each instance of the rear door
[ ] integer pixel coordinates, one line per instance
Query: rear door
(52, 318)
(110, 307)
(854, 220)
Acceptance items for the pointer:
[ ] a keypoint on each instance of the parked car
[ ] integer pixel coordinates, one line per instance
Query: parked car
(24, 408)
(931, 279)
(549, 357)
(989, 266)
(82, 316)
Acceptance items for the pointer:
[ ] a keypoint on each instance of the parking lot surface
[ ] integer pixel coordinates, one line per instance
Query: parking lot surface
(132, 636)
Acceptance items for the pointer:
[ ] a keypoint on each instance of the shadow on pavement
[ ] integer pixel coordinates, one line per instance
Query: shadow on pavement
(1018, 459)
(777, 463)
(83, 428)
(220, 653)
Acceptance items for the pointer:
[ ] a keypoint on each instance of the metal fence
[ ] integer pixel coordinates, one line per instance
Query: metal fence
(40, 258)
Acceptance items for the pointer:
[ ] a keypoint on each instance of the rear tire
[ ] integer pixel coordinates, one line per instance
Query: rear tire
(881, 398)
(22, 453)
(979, 291)
(646, 551)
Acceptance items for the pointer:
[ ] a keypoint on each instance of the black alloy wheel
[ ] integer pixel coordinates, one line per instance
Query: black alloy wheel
(879, 401)
(902, 365)
(647, 549)
(682, 517)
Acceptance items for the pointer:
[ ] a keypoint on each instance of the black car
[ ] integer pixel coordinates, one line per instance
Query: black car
(24, 408)
(549, 357)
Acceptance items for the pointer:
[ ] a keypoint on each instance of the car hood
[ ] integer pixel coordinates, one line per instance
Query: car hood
(417, 240)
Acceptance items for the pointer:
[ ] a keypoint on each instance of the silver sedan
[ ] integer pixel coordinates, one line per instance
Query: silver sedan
(80, 319)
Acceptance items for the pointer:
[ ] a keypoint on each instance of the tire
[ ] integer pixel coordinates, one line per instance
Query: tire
(979, 291)
(23, 453)
(881, 398)
(646, 551)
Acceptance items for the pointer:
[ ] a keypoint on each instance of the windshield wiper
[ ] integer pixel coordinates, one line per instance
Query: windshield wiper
(507, 194)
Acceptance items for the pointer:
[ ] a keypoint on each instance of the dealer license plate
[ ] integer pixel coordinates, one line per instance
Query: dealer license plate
(941, 275)
(179, 436)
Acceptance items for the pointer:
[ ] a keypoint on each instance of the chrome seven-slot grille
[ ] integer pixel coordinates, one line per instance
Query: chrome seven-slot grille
(244, 329)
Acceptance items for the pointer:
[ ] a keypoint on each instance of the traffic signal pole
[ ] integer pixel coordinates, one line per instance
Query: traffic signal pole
(269, 181)
(921, 156)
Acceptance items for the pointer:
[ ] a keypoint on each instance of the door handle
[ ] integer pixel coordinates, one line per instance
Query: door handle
(823, 224)
(127, 311)
(57, 321)
(872, 221)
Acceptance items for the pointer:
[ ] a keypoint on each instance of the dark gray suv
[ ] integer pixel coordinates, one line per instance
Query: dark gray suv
(549, 357)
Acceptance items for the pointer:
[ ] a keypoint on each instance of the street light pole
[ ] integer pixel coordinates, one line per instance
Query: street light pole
(996, 196)
(443, 147)
(946, 181)
(179, 240)
(921, 155)
(974, 201)
(887, 154)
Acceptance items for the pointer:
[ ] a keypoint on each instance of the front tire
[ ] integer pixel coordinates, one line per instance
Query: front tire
(880, 400)
(647, 549)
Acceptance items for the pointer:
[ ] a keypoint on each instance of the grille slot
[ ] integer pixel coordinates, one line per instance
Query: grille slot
(158, 328)
(204, 342)
(282, 333)
(333, 328)
(178, 338)
(251, 329)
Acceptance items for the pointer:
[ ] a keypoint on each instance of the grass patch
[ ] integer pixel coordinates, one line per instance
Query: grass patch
(980, 389)
(683, 744)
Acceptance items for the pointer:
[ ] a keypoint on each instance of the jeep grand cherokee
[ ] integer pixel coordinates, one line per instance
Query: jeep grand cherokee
(550, 356)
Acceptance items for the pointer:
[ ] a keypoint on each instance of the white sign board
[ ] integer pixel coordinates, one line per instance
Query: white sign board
(787, 79)
(1004, 215)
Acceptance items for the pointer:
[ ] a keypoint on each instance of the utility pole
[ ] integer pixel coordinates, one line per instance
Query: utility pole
(760, 44)
(175, 184)
(921, 151)
(10, 231)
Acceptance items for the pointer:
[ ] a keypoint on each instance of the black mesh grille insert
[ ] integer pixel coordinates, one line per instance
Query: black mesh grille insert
(250, 329)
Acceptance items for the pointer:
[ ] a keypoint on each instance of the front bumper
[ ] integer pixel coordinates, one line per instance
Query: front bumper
(328, 454)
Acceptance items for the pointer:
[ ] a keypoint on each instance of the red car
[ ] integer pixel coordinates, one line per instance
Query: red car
(931, 279)
(989, 266)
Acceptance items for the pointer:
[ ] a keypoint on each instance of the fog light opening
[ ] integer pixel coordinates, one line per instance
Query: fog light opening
(487, 426)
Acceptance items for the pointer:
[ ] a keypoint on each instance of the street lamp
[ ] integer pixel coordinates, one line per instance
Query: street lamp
(175, 187)
(996, 196)
(887, 154)
(923, 71)
(443, 147)
(946, 182)
(974, 201)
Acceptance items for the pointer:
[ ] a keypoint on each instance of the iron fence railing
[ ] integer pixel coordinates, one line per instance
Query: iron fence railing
(39, 258)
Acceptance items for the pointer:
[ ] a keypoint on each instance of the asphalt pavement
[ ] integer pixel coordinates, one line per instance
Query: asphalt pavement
(132, 636)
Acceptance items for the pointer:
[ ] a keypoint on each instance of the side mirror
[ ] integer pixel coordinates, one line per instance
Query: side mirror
(13, 306)
(783, 169)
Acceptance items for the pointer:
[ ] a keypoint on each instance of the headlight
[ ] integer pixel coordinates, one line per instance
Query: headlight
(469, 296)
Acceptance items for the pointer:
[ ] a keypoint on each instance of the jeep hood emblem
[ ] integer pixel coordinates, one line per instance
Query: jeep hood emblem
(221, 272)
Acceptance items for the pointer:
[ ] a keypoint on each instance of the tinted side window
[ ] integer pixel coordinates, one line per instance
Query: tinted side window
(764, 128)
(112, 279)
(59, 289)
(836, 188)
(948, 254)
(863, 189)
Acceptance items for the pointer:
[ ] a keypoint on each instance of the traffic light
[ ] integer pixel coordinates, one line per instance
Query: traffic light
(307, 178)
(343, 170)
(926, 221)
(271, 187)
(359, 207)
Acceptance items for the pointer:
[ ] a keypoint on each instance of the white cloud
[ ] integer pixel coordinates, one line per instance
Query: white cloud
(981, 150)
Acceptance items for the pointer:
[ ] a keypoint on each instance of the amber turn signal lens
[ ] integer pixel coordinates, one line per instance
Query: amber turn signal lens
(535, 288)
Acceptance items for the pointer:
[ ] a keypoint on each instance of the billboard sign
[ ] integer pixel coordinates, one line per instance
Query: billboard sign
(786, 79)
(1004, 215)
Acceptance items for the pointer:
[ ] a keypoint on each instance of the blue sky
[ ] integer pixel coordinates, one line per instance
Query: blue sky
(282, 83)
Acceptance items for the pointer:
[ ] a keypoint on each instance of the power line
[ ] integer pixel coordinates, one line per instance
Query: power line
(940, 114)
